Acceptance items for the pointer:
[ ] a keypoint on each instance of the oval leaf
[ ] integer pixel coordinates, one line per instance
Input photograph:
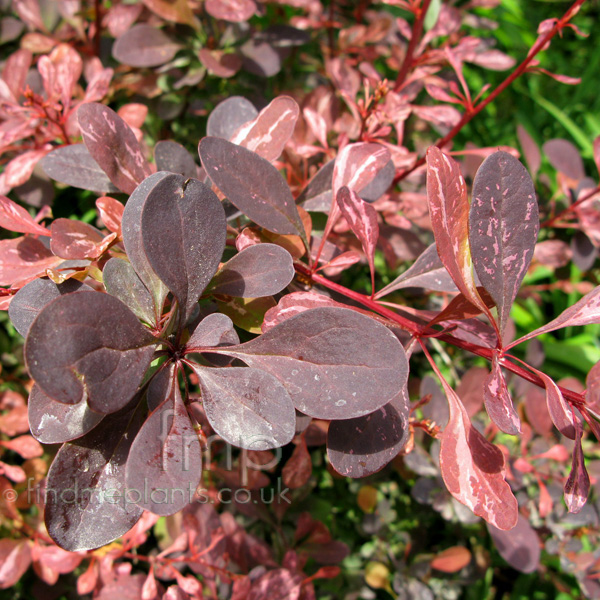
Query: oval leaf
(519, 547)
(503, 228)
(247, 407)
(16, 218)
(498, 402)
(174, 158)
(144, 46)
(74, 240)
(88, 344)
(228, 116)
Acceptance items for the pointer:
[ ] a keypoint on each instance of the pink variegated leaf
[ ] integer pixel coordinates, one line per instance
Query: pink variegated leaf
(441, 116)
(120, 17)
(560, 412)
(584, 312)
(234, 11)
(473, 468)
(503, 228)
(23, 259)
(220, 63)
(498, 402)
(111, 213)
(15, 71)
(29, 12)
(269, 132)
(362, 218)
(19, 169)
(74, 240)
(293, 304)
(449, 212)
(531, 151)
(342, 261)
(577, 487)
(113, 146)
(16, 218)
(317, 124)
(593, 388)
(565, 158)
(60, 71)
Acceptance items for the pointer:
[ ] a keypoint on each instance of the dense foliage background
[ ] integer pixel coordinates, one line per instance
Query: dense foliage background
(397, 533)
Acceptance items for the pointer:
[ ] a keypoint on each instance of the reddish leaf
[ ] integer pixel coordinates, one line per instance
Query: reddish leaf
(269, 131)
(113, 146)
(592, 397)
(503, 228)
(293, 304)
(24, 258)
(15, 558)
(519, 547)
(471, 389)
(449, 212)
(451, 560)
(19, 170)
(530, 150)
(74, 240)
(86, 582)
(441, 116)
(16, 218)
(298, 468)
(565, 158)
(279, 584)
(14, 421)
(144, 46)
(220, 63)
(165, 462)
(229, 116)
(597, 152)
(577, 487)
(498, 403)
(111, 213)
(560, 412)
(362, 218)
(334, 362)
(460, 308)
(14, 73)
(235, 11)
(24, 445)
(553, 253)
(584, 312)
(60, 71)
(178, 11)
(473, 468)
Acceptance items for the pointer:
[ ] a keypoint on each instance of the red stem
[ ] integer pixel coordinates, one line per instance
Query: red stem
(550, 222)
(415, 38)
(420, 331)
(474, 111)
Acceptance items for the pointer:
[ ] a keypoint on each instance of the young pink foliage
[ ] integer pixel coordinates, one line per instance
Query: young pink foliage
(234, 11)
(19, 169)
(111, 213)
(577, 486)
(560, 411)
(498, 403)
(16, 218)
(15, 71)
(362, 218)
(15, 558)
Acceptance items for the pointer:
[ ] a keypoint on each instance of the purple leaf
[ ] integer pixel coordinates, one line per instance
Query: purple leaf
(560, 412)
(131, 226)
(584, 312)
(228, 116)
(87, 502)
(260, 58)
(584, 251)
(473, 468)
(53, 422)
(31, 298)
(256, 271)
(577, 487)
(161, 386)
(214, 330)
(144, 46)
(362, 218)
(269, 132)
(380, 184)
(183, 232)
(113, 145)
(449, 212)
(174, 158)
(565, 158)
(498, 403)
(519, 547)
(362, 446)
(261, 194)
(248, 408)
(530, 150)
(75, 166)
(427, 271)
(88, 344)
(334, 362)
(165, 461)
(503, 228)
(122, 282)
(316, 196)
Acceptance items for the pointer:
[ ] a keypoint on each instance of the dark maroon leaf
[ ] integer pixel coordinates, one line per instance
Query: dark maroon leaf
(228, 116)
(256, 271)
(360, 447)
(174, 158)
(214, 330)
(380, 184)
(584, 312)
(316, 196)
(113, 145)
(74, 240)
(473, 468)
(298, 468)
(334, 362)
(498, 402)
(503, 228)
(519, 547)
(122, 282)
(248, 408)
(31, 298)
(260, 58)
(565, 158)
(160, 387)
(165, 460)
(427, 271)
(144, 46)
(88, 345)
(75, 166)
(131, 226)
(577, 487)
(87, 503)
(470, 389)
(53, 422)
(584, 251)
(252, 184)
(183, 233)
